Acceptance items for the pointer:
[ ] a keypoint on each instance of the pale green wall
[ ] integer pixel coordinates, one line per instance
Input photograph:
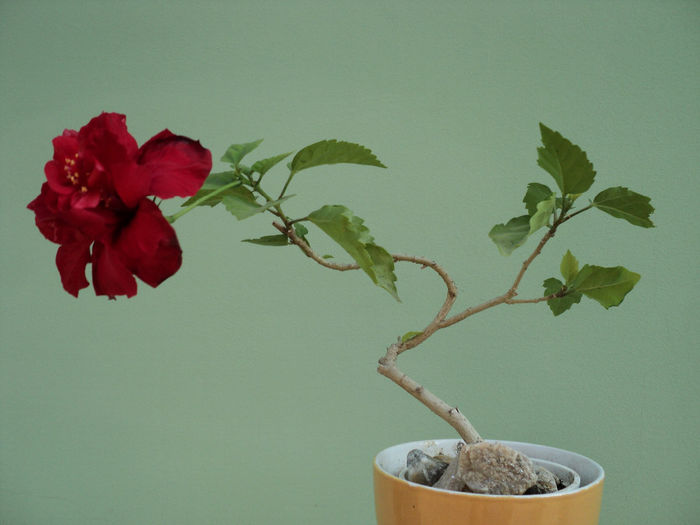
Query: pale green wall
(243, 392)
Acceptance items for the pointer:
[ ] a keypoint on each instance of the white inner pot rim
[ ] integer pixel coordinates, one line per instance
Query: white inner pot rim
(393, 459)
(562, 472)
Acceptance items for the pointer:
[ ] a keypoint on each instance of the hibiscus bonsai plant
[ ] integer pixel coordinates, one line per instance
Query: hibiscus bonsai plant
(101, 203)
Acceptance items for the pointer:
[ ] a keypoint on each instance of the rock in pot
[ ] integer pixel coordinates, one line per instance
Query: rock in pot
(422, 468)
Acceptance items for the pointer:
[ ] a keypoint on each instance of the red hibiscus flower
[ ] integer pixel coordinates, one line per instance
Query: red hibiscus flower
(95, 204)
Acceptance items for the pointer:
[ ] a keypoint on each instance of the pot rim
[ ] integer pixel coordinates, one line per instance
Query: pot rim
(593, 476)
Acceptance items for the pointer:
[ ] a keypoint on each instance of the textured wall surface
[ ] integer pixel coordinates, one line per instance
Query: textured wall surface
(243, 389)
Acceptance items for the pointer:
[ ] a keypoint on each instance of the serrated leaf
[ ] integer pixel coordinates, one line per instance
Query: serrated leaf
(348, 230)
(269, 240)
(383, 268)
(241, 203)
(235, 152)
(410, 335)
(625, 204)
(333, 152)
(608, 286)
(552, 285)
(535, 194)
(565, 162)
(559, 305)
(569, 267)
(515, 232)
(263, 166)
(339, 223)
(542, 214)
(511, 235)
(213, 182)
(217, 180)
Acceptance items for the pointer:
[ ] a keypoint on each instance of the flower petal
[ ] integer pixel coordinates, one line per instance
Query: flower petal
(48, 219)
(65, 148)
(71, 260)
(149, 245)
(56, 177)
(130, 182)
(110, 276)
(63, 224)
(108, 140)
(175, 165)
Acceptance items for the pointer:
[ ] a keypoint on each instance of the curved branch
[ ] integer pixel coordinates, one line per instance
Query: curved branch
(444, 309)
(292, 236)
(474, 310)
(387, 364)
(425, 263)
(387, 367)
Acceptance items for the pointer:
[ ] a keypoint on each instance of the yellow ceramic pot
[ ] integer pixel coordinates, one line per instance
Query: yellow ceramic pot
(401, 502)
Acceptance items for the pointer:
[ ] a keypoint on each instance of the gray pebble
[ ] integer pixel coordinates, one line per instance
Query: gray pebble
(423, 469)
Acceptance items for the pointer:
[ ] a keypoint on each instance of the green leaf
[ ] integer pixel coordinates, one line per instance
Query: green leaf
(625, 204)
(540, 202)
(559, 305)
(552, 285)
(235, 152)
(241, 203)
(511, 235)
(262, 166)
(569, 267)
(608, 286)
(383, 268)
(270, 240)
(300, 229)
(217, 180)
(544, 211)
(212, 183)
(410, 335)
(348, 230)
(565, 162)
(333, 152)
(339, 223)
(535, 194)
